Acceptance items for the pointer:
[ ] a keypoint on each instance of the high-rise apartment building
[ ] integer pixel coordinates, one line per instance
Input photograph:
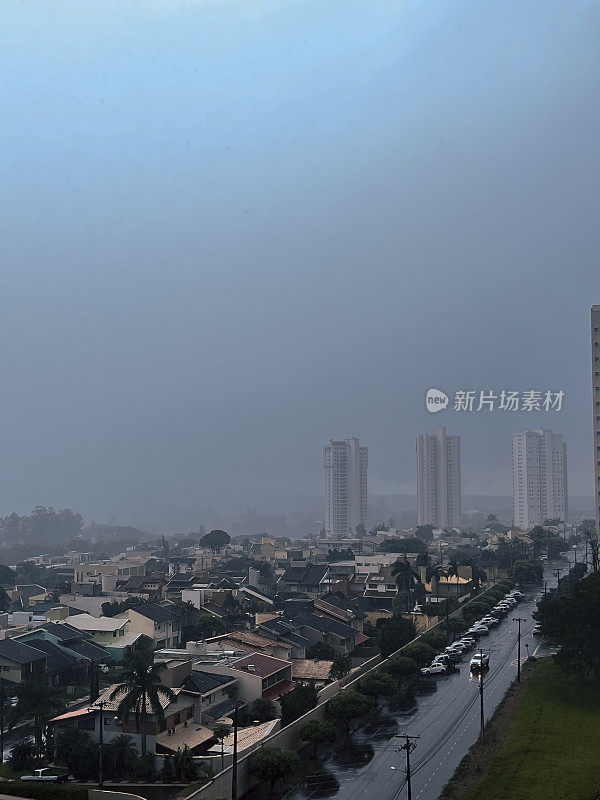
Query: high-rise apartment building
(539, 477)
(595, 320)
(438, 479)
(346, 464)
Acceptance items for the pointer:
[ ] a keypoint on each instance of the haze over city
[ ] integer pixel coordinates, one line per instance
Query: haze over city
(233, 231)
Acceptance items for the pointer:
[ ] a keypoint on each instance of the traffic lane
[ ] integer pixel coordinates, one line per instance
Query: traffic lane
(445, 713)
(440, 761)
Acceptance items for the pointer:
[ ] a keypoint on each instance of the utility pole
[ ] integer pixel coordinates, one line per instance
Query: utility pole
(481, 715)
(545, 588)
(557, 572)
(1, 723)
(409, 745)
(519, 620)
(100, 777)
(234, 765)
(447, 618)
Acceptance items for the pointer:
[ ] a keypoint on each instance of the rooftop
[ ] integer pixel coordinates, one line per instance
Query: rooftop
(86, 622)
(261, 665)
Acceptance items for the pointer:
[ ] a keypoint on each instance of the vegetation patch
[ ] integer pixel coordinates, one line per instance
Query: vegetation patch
(541, 743)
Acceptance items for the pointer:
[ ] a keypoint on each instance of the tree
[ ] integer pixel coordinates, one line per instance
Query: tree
(221, 732)
(7, 575)
(185, 769)
(215, 540)
(206, 625)
(405, 577)
(491, 518)
(321, 652)
(346, 707)
(570, 618)
(262, 710)
(360, 530)
(527, 572)
(376, 685)
(141, 691)
(453, 571)
(408, 545)
(457, 626)
(22, 756)
(419, 652)
(297, 702)
(273, 764)
(167, 772)
(318, 732)
(401, 667)
(340, 667)
(392, 634)
(38, 701)
(233, 610)
(121, 755)
(424, 533)
(435, 639)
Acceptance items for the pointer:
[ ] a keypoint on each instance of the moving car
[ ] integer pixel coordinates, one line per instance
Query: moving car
(434, 669)
(46, 774)
(479, 661)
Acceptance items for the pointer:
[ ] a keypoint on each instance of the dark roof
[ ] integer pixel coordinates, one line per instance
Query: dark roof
(65, 632)
(155, 612)
(261, 665)
(293, 574)
(89, 650)
(326, 625)
(56, 659)
(315, 573)
(21, 653)
(205, 682)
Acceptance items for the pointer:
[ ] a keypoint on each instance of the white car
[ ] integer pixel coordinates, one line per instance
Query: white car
(537, 630)
(510, 600)
(434, 669)
(45, 774)
(469, 643)
(480, 629)
(479, 661)
(517, 594)
(490, 621)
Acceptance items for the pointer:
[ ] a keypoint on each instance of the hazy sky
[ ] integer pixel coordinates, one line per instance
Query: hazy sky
(234, 230)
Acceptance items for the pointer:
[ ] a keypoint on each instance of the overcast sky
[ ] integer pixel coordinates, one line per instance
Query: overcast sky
(234, 230)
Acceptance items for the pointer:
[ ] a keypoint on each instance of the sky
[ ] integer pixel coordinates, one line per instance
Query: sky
(233, 230)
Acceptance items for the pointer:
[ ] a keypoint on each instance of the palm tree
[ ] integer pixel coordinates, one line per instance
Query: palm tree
(405, 577)
(141, 692)
(453, 570)
(233, 610)
(437, 572)
(221, 732)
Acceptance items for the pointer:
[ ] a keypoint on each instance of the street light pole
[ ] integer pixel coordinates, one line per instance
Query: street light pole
(518, 620)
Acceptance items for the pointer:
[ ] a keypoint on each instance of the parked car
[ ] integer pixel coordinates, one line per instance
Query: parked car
(480, 629)
(468, 643)
(537, 630)
(487, 621)
(442, 658)
(434, 669)
(517, 594)
(501, 608)
(479, 661)
(510, 600)
(47, 774)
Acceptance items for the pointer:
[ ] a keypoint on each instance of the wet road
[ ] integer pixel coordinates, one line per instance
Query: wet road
(444, 712)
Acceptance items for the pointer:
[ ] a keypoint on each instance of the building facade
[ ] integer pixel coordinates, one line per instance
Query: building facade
(438, 479)
(595, 326)
(346, 465)
(539, 477)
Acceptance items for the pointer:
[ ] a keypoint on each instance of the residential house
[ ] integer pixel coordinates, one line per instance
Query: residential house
(156, 622)
(19, 662)
(341, 637)
(304, 577)
(258, 675)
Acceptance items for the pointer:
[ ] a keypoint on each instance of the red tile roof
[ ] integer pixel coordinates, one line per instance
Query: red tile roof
(261, 665)
(278, 690)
